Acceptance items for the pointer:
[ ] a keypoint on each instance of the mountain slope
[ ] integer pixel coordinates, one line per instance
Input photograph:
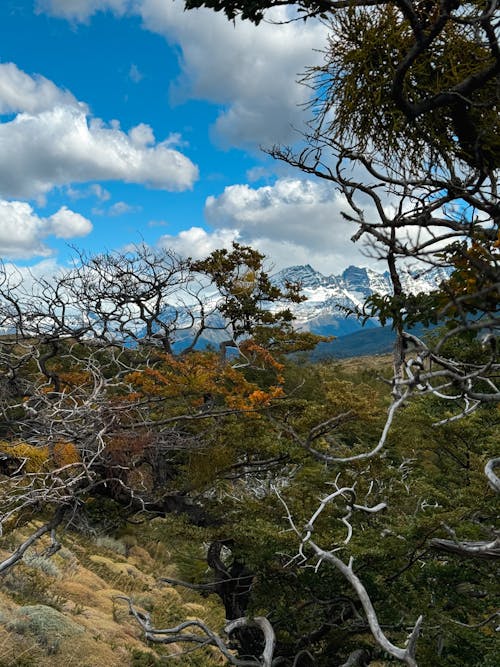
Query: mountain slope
(328, 297)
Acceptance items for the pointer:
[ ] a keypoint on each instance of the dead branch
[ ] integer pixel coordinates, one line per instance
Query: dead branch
(48, 527)
(206, 637)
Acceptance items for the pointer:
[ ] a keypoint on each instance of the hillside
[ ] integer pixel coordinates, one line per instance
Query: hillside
(66, 610)
(237, 464)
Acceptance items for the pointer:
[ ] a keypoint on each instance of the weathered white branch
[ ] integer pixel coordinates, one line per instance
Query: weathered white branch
(479, 549)
(381, 443)
(489, 550)
(406, 655)
(206, 636)
(355, 658)
(267, 630)
(48, 527)
(493, 479)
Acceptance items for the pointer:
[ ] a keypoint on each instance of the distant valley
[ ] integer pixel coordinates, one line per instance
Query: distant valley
(328, 297)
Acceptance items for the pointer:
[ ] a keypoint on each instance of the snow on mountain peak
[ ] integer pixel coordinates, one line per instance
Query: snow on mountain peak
(303, 274)
(329, 296)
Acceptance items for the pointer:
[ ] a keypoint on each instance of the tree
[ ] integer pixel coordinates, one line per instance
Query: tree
(405, 123)
(427, 479)
(405, 76)
(415, 152)
(102, 392)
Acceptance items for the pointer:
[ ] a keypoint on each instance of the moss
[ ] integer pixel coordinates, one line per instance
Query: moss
(77, 618)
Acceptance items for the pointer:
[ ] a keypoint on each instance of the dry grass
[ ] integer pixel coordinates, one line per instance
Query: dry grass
(76, 618)
(378, 362)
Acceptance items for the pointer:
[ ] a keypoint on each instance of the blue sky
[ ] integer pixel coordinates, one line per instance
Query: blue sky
(129, 121)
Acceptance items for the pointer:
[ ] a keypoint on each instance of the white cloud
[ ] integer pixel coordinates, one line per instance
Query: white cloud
(101, 193)
(121, 207)
(60, 146)
(22, 231)
(116, 209)
(135, 74)
(142, 135)
(66, 224)
(20, 92)
(294, 221)
(81, 10)
(251, 70)
(197, 243)
(95, 190)
(29, 276)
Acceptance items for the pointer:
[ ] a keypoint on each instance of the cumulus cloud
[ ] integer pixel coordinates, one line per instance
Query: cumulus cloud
(53, 141)
(198, 243)
(66, 224)
(294, 221)
(22, 231)
(29, 276)
(33, 94)
(251, 70)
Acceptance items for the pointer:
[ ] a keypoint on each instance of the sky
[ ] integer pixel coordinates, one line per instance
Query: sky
(132, 121)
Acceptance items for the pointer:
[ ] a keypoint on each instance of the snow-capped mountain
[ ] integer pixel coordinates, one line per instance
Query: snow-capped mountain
(327, 296)
(323, 312)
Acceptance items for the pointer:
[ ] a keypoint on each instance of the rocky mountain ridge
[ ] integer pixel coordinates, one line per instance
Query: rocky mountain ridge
(328, 296)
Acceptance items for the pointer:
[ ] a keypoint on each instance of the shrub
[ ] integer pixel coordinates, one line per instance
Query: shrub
(110, 543)
(41, 563)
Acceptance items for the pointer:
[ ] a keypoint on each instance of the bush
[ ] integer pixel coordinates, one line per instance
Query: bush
(41, 563)
(110, 543)
(48, 625)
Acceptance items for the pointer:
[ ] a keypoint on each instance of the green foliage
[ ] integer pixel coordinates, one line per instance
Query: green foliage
(112, 544)
(428, 477)
(27, 584)
(388, 72)
(145, 659)
(361, 83)
(408, 92)
(245, 287)
(100, 515)
(244, 447)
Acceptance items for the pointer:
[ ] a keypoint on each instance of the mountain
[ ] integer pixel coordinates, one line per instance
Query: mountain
(328, 297)
(366, 342)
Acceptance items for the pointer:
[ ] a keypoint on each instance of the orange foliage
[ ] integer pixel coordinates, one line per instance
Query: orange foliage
(35, 457)
(42, 459)
(128, 447)
(73, 378)
(65, 453)
(259, 355)
(194, 377)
